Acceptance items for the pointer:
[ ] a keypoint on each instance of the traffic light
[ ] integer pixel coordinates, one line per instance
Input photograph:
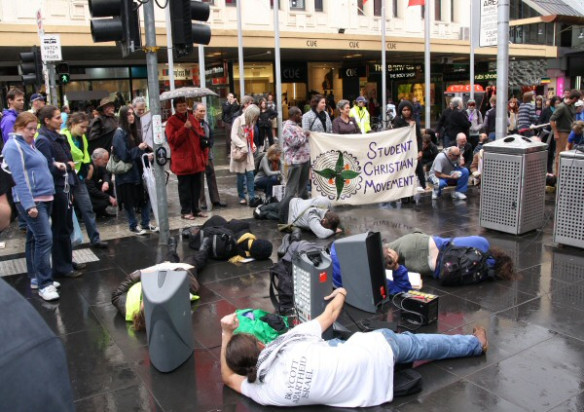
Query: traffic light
(31, 67)
(185, 33)
(116, 20)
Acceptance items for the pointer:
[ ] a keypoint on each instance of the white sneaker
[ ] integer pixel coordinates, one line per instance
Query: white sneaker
(138, 231)
(420, 189)
(49, 293)
(458, 196)
(435, 194)
(152, 228)
(35, 285)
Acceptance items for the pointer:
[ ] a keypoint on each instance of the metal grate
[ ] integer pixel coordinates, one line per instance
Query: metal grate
(18, 266)
(569, 221)
(500, 191)
(533, 192)
(567, 274)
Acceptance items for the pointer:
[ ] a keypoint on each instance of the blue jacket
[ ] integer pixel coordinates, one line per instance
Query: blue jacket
(122, 150)
(56, 149)
(8, 118)
(32, 178)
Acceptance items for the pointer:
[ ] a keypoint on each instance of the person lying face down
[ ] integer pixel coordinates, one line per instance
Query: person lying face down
(300, 368)
(422, 253)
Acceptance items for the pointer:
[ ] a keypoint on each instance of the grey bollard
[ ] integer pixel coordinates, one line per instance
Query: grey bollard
(167, 312)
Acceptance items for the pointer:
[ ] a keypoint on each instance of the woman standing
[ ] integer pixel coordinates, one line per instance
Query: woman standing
(539, 105)
(405, 118)
(546, 134)
(317, 119)
(345, 124)
(77, 124)
(33, 196)
(512, 113)
(265, 125)
(54, 146)
(129, 188)
(270, 171)
(242, 150)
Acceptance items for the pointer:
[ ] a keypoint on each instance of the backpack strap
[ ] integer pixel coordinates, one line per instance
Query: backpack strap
(273, 292)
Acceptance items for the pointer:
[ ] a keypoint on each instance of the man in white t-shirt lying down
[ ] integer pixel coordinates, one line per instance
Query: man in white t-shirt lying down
(300, 368)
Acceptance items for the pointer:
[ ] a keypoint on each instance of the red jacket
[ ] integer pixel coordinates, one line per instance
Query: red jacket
(186, 155)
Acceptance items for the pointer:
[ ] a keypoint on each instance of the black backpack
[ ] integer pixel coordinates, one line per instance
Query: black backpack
(223, 242)
(463, 266)
(282, 287)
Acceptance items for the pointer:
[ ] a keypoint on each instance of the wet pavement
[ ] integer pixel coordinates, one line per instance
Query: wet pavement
(535, 323)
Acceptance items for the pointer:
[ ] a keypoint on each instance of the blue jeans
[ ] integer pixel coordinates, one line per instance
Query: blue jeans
(39, 243)
(83, 203)
(461, 183)
(265, 183)
(145, 216)
(408, 347)
(246, 178)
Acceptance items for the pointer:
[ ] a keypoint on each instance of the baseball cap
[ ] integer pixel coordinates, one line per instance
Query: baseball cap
(37, 96)
(361, 99)
(579, 103)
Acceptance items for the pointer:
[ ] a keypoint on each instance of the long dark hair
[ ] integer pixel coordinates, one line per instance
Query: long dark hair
(242, 355)
(131, 129)
(46, 113)
(504, 268)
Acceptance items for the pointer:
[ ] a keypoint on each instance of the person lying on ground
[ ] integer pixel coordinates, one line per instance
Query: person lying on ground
(300, 368)
(311, 214)
(127, 298)
(423, 253)
(237, 242)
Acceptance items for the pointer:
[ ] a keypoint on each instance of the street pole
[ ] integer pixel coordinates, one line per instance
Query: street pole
(52, 84)
(169, 53)
(203, 83)
(279, 107)
(240, 52)
(383, 68)
(154, 100)
(472, 50)
(428, 101)
(502, 67)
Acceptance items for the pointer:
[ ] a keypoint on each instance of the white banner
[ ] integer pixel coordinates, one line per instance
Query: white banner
(363, 169)
(488, 23)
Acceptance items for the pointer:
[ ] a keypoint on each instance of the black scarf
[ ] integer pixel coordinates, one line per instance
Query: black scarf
(322, 117)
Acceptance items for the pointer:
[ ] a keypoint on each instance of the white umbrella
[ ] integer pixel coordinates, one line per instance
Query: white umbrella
(187, 93)
(150, 183)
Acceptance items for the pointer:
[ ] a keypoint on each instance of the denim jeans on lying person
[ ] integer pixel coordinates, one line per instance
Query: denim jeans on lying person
(83, 203)
(461, 183)
(247, 179)
(408, 347)
(39, 243)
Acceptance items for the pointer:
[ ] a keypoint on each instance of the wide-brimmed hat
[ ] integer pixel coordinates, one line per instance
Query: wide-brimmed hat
(104, 102)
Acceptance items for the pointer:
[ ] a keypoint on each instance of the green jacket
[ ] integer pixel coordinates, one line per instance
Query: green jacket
(80, 156)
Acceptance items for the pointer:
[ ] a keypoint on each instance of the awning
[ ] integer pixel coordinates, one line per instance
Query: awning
(552, 7)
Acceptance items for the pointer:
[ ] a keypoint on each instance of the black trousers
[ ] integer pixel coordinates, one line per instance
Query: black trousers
(189, 193)
(211, 184)
(62, 227)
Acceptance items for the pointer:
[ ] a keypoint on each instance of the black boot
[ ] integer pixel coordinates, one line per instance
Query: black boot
(206, 245)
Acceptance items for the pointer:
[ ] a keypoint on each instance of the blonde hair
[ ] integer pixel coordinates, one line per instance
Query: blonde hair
(251, 114)
(578, 126)
(273, 151)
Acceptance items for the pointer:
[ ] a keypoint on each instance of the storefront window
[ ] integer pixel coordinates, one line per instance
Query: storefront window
(324, 78)
(259, 79)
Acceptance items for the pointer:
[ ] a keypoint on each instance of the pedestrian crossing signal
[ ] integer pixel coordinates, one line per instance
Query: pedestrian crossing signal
(64, 78)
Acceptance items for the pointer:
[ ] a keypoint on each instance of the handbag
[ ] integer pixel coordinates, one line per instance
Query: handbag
(239, 153)
(116, 166)
(76, 235)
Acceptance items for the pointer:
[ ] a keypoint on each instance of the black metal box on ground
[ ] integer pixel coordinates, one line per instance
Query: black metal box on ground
(513, 185)
(424, 304)
(167, 310)
(363, 270)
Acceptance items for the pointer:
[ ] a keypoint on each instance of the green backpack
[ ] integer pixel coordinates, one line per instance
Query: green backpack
(263, 325)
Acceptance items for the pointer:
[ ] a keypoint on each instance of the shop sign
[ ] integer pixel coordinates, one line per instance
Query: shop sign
(180, 73)
(215, 81)
(398, 71)
(215, 71)
(352, 72)
(294, 73)
(486, 76)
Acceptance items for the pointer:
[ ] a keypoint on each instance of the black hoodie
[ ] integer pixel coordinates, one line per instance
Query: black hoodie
(399, 121)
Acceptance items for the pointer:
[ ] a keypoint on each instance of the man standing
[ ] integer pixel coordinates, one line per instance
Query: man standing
(104, 126)
(446, 171)
(139, 104)
(37, 102)
(200, 112)
(296, 155)
(456, 122)
(15, 99)
(417, 114)
(188, 157)
(229, 108)
(561, 123)
(360, 113)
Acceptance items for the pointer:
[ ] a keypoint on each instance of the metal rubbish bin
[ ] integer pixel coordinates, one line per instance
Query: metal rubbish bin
(569, 220)
(513, 185)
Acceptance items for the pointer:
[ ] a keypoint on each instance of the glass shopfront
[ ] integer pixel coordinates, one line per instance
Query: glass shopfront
(259, 79)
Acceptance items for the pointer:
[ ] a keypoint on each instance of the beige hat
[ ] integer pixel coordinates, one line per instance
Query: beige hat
(104, 102)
